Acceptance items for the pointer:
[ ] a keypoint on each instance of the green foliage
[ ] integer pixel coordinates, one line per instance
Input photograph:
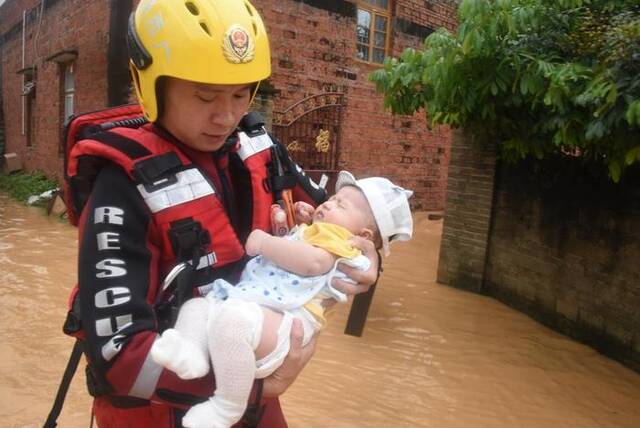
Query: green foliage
(538, 76)
(20, 185)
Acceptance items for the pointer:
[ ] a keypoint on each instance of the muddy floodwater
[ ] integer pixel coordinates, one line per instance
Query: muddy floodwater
(430, 356)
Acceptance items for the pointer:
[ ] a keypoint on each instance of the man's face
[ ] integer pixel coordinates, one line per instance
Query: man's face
(347, 208)
(202, 116)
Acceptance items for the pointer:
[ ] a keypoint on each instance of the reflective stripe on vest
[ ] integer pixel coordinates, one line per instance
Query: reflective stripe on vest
(190, 185)
(251, 146)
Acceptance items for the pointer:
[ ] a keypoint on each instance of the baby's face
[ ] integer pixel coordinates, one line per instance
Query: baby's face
(347, 208)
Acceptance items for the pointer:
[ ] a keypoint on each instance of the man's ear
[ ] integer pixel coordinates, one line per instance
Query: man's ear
(366, 233)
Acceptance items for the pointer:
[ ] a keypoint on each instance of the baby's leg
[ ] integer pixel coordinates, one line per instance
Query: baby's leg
(234, 334)
(269, 336)
(183, 349)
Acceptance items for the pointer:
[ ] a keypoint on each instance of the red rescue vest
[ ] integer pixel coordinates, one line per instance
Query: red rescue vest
(172, 187)
(179, 196)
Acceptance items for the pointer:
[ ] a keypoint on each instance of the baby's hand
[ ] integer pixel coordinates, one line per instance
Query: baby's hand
(303, 212)
(253, 247)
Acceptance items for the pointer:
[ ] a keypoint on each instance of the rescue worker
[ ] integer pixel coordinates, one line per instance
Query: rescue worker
(196, 66)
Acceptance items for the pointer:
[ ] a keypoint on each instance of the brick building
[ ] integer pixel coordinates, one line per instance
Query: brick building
(60, 57)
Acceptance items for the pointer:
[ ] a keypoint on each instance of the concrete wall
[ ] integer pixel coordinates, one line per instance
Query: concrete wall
(313, 51)
(565, 247)
(562, 244)
(467, 213)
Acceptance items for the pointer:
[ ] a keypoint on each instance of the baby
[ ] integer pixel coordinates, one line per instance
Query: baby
(245, 329)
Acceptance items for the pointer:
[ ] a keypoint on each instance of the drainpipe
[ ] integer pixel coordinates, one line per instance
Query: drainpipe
(24, 81)
(2, 144)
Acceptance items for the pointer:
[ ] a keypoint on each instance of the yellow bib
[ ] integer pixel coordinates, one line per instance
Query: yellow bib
(330, 237)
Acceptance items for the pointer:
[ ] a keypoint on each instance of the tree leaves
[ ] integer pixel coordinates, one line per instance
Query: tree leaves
(632, 115)
(539, 76)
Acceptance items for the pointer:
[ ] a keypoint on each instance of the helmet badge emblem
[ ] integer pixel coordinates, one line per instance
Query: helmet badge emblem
(238, 47)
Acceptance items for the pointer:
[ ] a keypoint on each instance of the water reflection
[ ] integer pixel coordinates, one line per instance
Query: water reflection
(431, 356)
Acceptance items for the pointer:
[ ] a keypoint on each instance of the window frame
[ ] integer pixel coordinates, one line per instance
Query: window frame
(29, 90)
(66, 67)
(375, 11)
(30, 99)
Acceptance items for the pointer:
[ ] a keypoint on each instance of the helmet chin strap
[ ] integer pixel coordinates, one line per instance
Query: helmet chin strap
(255, 92)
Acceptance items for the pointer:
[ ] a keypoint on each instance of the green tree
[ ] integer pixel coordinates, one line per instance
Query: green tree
(537, 76)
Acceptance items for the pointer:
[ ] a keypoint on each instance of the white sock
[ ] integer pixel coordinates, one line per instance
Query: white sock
(183, 349)
(233, 337)
(213, 413)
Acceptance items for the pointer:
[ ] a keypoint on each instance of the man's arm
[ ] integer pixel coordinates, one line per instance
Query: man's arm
(295, 256)
(118, 261)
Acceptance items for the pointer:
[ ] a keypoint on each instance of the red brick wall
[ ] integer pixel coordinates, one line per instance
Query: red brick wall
(79, 24)
(429, 13)
(11, 12)
(313, 51)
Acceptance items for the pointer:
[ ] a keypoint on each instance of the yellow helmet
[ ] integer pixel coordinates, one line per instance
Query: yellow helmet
(205, 41)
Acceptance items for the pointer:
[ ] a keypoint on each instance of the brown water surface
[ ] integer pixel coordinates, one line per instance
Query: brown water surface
(431, 356)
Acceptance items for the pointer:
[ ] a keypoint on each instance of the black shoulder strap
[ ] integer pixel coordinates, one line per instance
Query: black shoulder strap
(89, 166)
(294, 175)
(254, 411)
(360, 307)
(252, 122)
(72, 365)
(129, 147)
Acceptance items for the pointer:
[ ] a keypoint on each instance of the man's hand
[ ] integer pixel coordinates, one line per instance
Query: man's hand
(303, 212)
(253, 247)
(363, 279)
(278, 382)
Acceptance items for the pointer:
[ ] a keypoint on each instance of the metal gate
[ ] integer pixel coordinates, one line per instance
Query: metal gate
(310, 129)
